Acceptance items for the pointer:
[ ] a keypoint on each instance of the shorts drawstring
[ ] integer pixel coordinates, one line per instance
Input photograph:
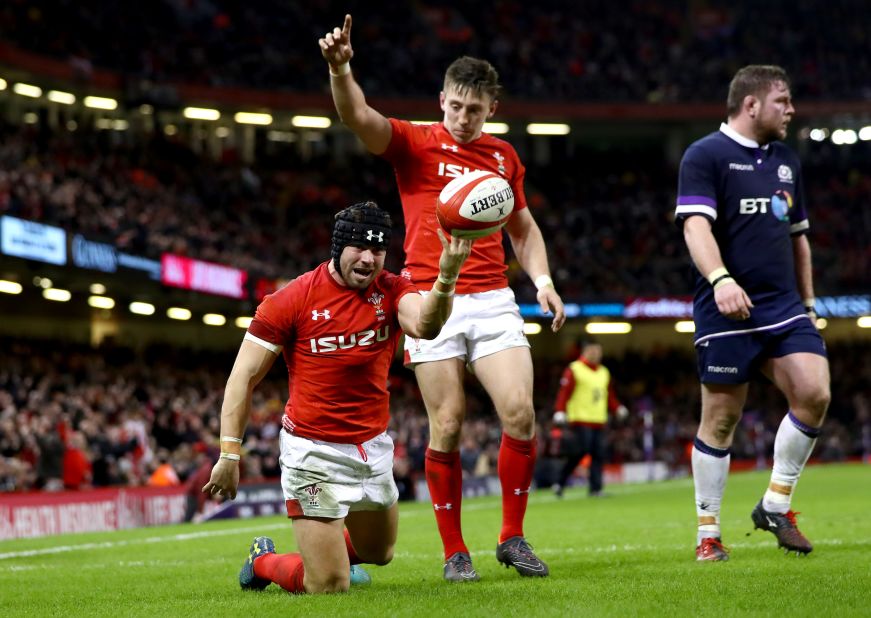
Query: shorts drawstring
(362, 452)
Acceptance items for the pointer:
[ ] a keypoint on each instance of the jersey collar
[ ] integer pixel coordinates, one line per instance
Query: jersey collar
(735, 136)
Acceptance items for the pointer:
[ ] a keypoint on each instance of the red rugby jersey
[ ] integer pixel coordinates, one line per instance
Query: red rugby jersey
(338, 345)
(426, 158)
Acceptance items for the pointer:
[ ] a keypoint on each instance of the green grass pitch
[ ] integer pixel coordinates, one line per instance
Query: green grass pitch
(628, 554)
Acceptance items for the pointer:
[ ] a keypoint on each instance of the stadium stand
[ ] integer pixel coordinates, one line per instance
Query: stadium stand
(596, 51)
(72, 416)
(610, 228)
(75, 416)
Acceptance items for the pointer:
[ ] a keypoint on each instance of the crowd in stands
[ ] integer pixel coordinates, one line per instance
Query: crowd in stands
(610, 229)
(639, 51)
(73, 417)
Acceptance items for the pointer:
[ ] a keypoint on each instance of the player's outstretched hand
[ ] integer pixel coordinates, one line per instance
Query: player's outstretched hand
(732, 301)
(336, 45)
(224, 480)
(454, 254)
(550, 301)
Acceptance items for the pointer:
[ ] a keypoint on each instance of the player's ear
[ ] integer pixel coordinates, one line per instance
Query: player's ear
(493, 105)
(751, 104)
(442, 100)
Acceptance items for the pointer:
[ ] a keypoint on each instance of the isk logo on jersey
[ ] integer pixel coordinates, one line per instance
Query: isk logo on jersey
(454, 170)
(364, 338)
(781, 204)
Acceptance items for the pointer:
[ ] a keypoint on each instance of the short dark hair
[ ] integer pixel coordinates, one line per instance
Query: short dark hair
(467, 74)
(754, 79)
(587, 340)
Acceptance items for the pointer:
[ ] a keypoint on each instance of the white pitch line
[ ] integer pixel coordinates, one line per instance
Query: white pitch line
(547, 551)
(188, 536)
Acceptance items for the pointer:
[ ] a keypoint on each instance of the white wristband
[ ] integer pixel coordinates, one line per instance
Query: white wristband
(543, 281)
(230, 456)
(231, 439)
(342, 69)
(809, 303)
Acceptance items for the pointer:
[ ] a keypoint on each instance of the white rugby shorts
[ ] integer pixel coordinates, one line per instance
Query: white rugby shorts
(327, 479)
(480, 324)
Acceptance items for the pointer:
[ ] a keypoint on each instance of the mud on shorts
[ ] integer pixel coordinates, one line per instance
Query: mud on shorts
(480, 324)
(327, 479)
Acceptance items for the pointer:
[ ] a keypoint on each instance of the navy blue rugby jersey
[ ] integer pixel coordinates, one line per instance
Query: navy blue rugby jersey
(754, 199)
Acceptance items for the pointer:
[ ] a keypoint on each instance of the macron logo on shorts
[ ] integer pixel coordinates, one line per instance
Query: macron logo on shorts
(718, 369)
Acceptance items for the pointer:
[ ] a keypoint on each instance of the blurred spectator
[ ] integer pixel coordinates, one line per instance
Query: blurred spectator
(51, 465)
(76, 463)
(164, 474)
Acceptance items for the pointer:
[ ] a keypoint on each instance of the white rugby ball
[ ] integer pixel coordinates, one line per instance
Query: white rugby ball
(475, 204)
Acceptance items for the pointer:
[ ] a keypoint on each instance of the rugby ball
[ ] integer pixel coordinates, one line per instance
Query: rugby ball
(475, 204)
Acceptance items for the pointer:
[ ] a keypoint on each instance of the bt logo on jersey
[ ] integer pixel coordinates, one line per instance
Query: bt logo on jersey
(345, 342)
(780, 204)
(752, 205)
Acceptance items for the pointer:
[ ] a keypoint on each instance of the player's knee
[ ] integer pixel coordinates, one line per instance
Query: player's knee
(816, 399)
(328, 583)
(447, 427)
(381, 557)
(723, 426)
(376, 553)
(518, 419)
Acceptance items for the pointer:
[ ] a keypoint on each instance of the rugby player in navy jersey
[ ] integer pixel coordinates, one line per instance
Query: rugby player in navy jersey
(741, 207)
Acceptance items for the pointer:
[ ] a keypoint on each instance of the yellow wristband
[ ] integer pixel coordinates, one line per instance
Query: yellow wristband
(543, 281)
(723, 280)
(342, 69)
(440, 294)
(716, 274)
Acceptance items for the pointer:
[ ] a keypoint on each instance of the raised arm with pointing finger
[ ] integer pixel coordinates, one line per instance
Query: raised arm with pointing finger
(367, 123)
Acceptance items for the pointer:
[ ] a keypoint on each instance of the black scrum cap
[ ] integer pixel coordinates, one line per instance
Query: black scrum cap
(362, 224)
